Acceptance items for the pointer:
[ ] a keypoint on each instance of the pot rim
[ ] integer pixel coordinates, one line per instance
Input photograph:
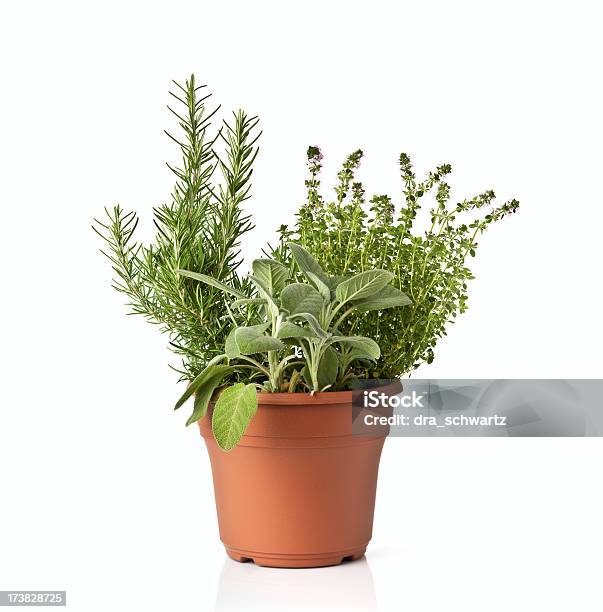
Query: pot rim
(303, 399)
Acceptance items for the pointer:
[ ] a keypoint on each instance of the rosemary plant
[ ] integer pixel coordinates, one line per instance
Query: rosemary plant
(350, 235)
(200, 228)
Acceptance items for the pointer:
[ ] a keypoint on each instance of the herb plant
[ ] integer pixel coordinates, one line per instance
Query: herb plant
(349, 235)
(200, 228)
(279, 315)
(353, 290)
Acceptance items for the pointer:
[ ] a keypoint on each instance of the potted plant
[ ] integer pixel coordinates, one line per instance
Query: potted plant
(269, 356)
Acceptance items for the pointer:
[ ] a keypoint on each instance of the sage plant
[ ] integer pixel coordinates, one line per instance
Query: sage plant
(277, 315)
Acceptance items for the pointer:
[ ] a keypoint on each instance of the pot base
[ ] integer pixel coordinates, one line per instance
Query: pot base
(295, 561)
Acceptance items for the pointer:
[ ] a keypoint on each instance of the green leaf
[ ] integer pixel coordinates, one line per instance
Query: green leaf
(244, 302)
(208, 280)
(205, 377)
(313, 322)
(363, 285)
(273, 274)
(204, 394)
(299, 297)
(388, 297)
(355, 354)
(231, 348)
(291, 330)
(366, 346)
(305, 375)
(267, 295)
(233, 411)
(252, 340)
(322, 288)
(306, 262)
(327, 368)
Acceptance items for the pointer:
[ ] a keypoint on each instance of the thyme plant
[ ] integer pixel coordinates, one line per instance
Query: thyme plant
(200, 228)
(349, 235)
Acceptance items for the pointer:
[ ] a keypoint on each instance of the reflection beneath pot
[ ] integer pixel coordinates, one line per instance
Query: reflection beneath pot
(245, 586)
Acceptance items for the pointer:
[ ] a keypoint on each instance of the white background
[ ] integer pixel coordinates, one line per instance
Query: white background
(103, 492)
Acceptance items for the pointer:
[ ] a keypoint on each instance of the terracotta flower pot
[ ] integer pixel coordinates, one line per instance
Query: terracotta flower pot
(299, 489)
